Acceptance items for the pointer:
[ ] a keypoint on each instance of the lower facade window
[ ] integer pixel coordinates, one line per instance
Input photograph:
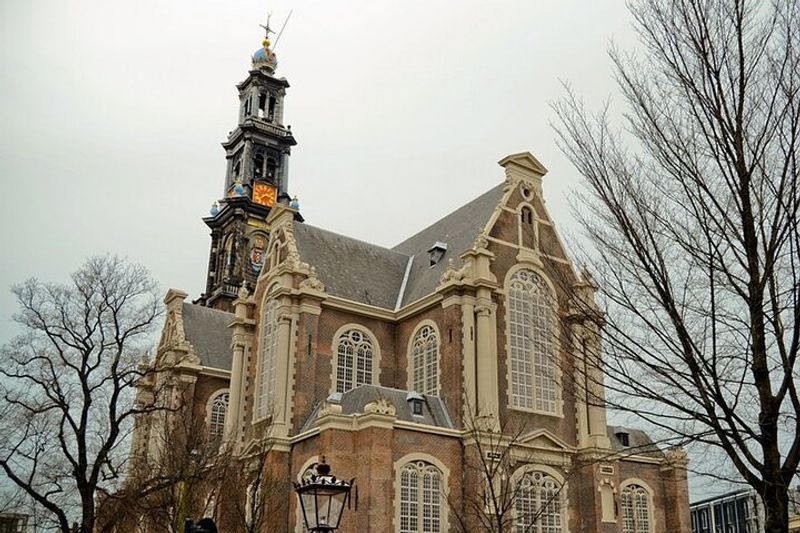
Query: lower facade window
(635, 509)
(216, 419)
(421, 501)
(537, 504)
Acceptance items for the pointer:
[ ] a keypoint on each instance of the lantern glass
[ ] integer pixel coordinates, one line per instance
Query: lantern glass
(322, 505)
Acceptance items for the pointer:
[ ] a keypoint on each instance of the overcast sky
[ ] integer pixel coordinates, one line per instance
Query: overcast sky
(112, 115)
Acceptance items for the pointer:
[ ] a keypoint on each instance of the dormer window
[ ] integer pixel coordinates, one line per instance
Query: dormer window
(623, 437)
(415, 401)
(436, 252)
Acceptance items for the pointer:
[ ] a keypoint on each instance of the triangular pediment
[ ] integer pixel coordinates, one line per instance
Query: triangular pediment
(543, 439)
(525, 160)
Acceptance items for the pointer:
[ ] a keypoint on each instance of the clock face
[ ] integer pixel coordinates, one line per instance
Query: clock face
(264, 194)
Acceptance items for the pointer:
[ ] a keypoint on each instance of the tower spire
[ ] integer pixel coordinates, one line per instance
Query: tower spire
(257, 177)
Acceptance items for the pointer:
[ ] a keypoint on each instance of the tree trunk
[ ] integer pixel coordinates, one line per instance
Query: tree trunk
(776, 506)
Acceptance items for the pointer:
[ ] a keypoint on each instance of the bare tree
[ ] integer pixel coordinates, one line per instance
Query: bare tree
(246, 492)
(68, 381)
(692, 216)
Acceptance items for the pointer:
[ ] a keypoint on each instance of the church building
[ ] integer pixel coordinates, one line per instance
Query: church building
(454, 376)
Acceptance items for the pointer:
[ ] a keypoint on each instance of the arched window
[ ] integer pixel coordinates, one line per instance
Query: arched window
(265, 393)
(526, 215)
(258, 165)
(425, 361)
(216, 415)
(272, 166)
(354, 355)
(537, 506)
(635, 508)
(530, 338)
(420, 502)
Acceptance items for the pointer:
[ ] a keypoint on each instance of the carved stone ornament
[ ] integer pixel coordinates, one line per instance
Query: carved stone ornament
(312, 282)
(676, 456)
(451, 274)
(329, 408)
(482, 240)
(381, 406)
(243, 293)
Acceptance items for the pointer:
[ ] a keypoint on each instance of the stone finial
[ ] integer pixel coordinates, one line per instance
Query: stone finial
(482, 240)
(676, 457)
(451, 274)
(381, 406)
(243, 293)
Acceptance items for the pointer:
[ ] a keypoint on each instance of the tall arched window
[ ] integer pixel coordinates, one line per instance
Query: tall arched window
(216, 415)
(420, 502)
(537, 506)
(354, 355)
(265, 393)
(635, 509)
(425, 361)
(532, 365)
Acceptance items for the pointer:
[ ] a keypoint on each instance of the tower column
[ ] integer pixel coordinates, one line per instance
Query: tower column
(468, 355)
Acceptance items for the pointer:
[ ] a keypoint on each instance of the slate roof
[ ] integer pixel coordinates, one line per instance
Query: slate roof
(371, 274)
(434, 411)
(208, 332)
(352, 269)
(639, 442)
(458, 230)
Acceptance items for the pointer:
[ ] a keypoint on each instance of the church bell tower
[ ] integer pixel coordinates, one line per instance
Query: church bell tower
(257, 177)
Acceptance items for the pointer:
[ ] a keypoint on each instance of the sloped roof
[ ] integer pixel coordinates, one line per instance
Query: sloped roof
(458, 230)
(352, 269)
(434, 411)
(371, 274)
(639, 442)
(208, 332)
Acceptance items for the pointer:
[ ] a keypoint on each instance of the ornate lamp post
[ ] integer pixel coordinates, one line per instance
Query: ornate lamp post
(322, 498)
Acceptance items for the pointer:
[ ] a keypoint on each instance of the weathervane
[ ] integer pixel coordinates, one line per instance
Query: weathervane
(267, 29)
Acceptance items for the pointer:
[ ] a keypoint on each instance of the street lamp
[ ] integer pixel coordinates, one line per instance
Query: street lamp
(322, 498)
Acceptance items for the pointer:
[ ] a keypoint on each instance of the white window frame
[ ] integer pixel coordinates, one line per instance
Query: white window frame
(266, 381)
(416, 341)
(210, 412)
(524, 355)
(376, 356)
(648, 492)
(547, 473)
(444, 475)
